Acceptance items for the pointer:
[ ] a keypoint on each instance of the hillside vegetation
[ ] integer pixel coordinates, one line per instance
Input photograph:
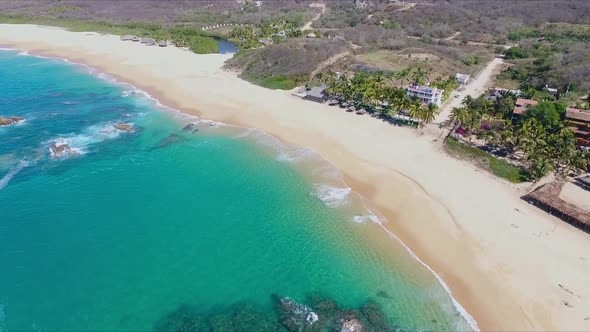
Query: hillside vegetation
(286, 65)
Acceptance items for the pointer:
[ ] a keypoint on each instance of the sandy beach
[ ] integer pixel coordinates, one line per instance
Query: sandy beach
(512, 266)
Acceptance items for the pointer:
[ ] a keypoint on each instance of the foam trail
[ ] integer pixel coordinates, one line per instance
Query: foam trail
(333, 197)
(6, 179)
(23, 53)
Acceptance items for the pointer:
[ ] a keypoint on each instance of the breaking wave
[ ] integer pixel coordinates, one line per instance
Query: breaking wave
(333, 197)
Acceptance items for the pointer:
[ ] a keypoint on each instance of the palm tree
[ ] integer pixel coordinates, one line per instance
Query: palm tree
(428, 113)
(403, 74)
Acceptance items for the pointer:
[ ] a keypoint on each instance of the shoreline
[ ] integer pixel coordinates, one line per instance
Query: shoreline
(466, 316)
(424, 214)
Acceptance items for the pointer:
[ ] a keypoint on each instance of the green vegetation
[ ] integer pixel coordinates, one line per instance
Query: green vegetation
(540, 140)
(248, 37)
(285, 65)
(555, 55)
(196, 40)
(496, 166)
(370, 92)
(279, 82)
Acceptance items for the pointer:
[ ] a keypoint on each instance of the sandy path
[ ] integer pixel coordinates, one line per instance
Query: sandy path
(507, 262)
(307, 26)
(475, 87)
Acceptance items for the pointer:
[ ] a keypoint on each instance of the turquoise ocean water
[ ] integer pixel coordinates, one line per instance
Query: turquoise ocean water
(140, 231)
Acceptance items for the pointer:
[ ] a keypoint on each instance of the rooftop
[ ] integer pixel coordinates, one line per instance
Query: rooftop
(548, 197)
(577, 114)
(522, 104)
(317, 91)
(423, 89)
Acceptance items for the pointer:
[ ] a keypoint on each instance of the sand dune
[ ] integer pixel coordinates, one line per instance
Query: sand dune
(511, 265)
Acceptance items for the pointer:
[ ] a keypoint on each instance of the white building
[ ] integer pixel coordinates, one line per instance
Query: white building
(426, 94)
(462, 78)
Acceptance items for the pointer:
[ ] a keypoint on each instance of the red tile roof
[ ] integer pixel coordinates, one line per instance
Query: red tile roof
(522, 104)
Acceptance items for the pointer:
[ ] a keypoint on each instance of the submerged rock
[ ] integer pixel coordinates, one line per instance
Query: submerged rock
(128, 127)
(183, 319)
(189, 127)
(294, 316)
(171, 139)
(9, 121)
(350, 321)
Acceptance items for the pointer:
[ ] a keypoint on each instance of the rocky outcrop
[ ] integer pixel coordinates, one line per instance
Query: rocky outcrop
(350, 322)
(9, 121)
(294, 316)
(128, 127)
(60, 149)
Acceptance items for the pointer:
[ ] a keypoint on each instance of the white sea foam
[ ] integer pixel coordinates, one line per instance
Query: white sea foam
(80, 143)
(23, 53)
(3, 183)
(333, 197)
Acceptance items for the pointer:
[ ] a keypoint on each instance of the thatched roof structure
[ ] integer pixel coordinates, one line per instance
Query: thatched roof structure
(547, 198)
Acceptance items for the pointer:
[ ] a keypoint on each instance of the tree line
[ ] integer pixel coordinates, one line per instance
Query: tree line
(540, 138)
(380, 92)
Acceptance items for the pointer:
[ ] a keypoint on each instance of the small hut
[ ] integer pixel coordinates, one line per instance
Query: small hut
(311, 35)
(128, 37)
(265, 41)
(317, 94)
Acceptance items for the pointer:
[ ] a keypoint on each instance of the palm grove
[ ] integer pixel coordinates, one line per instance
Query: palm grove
(379, 92)
(539, 140)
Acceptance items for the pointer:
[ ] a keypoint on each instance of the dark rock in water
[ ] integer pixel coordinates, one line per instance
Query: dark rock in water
(323, 305)
(171, 139)
(195, 131)
(128, 127)
(184, 319)
(374, 315)
(9, 121)
(189, 127)
(58, 149)
(242, 317)
(294, 316)
(384, 295)
(349, 321)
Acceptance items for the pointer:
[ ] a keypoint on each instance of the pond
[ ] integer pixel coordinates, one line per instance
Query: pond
(226, 47)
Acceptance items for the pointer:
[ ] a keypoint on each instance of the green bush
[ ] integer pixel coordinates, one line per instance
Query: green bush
(496, 166)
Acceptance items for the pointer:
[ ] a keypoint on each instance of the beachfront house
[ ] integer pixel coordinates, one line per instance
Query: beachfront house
(579, 121)
(462, 78)
(317, 94)
(522, 105)
(426, 94)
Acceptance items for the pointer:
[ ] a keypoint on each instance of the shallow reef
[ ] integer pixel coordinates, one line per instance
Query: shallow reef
(316, 314)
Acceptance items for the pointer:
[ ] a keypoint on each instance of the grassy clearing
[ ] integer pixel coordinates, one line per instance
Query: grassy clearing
(198, 41)
(494, 165)
(278, 82)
